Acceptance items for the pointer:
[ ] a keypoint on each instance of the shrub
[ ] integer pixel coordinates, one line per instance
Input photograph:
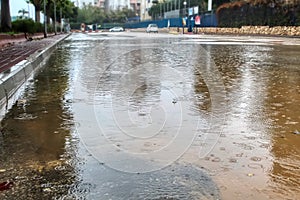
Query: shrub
(257, 13)
(75, 26)
(24, 26)
(39, 27)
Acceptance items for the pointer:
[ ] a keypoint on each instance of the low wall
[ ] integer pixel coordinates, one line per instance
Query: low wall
(251, 30)
(11, 84)
(9, 37)
(19, 36)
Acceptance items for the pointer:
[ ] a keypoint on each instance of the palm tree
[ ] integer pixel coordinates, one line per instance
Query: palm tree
(5, 16)
(23, 11)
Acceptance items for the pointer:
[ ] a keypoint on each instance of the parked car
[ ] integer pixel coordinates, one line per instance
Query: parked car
(116, 29)
(152, 28)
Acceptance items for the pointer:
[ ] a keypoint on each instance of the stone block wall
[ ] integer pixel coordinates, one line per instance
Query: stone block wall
(251, 30)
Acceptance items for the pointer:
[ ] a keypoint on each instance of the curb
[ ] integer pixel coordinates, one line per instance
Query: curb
(13, 85)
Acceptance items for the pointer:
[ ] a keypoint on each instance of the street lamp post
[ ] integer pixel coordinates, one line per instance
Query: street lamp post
(178, 14)
(28, 8)
(55, 30)
(184, 15)
(160, 13)
(167, 6)
(209, 8)
(61, 22)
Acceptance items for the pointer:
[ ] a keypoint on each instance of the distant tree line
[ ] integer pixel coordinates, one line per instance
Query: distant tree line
(94, 15)
(91, 14)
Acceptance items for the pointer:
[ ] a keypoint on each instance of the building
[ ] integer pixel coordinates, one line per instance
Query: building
(82, 3)
(136, 6)
(101, 3)
(119, 4)
(116, 4)
(145, 7)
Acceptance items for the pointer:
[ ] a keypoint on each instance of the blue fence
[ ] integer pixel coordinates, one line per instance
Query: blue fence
(207, 20)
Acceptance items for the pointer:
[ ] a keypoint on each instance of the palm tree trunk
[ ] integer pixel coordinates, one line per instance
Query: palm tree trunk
(37, 13)
(5, 16)
(48, 12)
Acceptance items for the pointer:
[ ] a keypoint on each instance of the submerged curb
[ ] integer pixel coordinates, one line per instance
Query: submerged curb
(11, 85)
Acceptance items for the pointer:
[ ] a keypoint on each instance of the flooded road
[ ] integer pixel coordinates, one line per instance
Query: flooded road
(154, 116)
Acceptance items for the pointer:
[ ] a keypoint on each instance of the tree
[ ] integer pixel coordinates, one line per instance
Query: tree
(27, 26)
(5, 16)
(94, 15)
(49, 10)
(218, 3)
(23, 12)
(68, 9)
(37, 7)
(90, 14)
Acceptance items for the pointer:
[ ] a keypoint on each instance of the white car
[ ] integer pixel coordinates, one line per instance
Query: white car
(152, 28)
(116, 29)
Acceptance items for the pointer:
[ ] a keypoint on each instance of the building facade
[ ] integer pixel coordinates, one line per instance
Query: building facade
(145, 7)
(82, 3)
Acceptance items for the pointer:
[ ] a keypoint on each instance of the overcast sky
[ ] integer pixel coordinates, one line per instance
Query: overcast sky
(16, 5)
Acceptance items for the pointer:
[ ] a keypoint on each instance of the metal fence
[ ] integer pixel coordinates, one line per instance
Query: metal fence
(206, 20)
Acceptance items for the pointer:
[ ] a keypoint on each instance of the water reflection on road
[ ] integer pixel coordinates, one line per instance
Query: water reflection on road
(36, 141)
(138, 102)
(258, 147)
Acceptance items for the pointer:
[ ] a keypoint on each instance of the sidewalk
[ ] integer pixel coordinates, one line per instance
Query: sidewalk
(15, 50)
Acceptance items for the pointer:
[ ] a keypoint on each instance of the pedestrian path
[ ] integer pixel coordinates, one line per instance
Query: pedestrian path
(21, 50)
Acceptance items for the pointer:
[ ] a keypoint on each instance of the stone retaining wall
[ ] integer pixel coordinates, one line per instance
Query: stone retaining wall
(19, 36)
(250, 30)
(10, 37)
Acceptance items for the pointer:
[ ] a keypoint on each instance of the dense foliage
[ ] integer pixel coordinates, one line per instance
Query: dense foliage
(258, 13)
(90, 15)
(26, 26)
(66, 6)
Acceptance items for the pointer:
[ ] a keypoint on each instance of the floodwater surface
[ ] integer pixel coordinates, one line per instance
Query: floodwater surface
(150, 116)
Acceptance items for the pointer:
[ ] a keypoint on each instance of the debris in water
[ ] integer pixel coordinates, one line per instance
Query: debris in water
(296, 132)
(25, 116)
(21, 102)
(6, 185)
(254, 158)
(142, 113)
(233, 160)
(47, 190)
